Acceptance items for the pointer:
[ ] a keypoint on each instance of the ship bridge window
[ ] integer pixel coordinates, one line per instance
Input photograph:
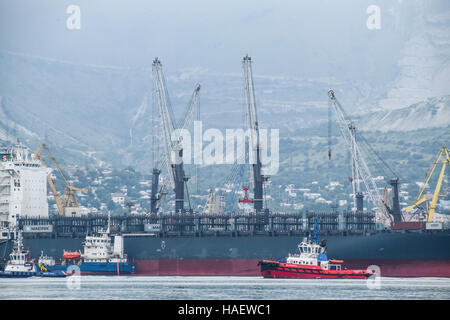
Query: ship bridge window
(335, 267)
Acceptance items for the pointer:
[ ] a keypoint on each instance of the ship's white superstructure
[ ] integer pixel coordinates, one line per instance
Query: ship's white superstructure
(313, 254)
(98, 248)
(309, 253)
(23, 186)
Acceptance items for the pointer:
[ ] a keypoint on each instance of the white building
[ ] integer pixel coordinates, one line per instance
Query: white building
(23, 185)
(118, 198)
(311, 196)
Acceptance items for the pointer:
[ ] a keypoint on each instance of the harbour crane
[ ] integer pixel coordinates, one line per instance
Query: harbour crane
(58, 200)
(421, 198)
(68, 199)
(173, 142)
(360, 170)
(214, 204)
(253, 126)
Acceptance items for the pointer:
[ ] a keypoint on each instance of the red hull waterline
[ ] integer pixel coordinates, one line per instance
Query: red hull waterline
(285, 274)
(249, 267)
(275, 269)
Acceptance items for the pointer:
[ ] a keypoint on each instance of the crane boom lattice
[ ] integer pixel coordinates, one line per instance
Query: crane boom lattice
(360, 170)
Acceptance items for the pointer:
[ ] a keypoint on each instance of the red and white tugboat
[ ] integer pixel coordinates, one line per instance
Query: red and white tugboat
(311, 262)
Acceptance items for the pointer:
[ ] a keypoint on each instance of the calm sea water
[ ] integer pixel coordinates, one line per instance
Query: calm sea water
(213, 288)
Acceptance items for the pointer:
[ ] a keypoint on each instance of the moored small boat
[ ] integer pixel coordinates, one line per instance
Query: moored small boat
(100, 257)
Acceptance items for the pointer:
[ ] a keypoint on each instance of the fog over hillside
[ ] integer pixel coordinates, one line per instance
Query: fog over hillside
(89, 91)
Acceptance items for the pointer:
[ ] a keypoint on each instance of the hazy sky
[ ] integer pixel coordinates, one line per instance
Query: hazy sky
(299, 38)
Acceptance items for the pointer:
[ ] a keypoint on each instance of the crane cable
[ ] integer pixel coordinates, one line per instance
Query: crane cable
(378, 156)
(329, 129)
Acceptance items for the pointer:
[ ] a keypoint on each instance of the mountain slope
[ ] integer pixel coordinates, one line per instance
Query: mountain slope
(431, 113)
(424, 63)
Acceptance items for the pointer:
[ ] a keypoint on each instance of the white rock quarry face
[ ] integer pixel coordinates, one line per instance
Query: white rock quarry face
(424, 67)
(434, 112)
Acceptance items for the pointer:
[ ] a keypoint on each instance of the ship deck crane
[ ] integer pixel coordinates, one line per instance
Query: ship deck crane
(360, 170)
(253, 126)
(68, 199)
(421, 198)
(172, 158)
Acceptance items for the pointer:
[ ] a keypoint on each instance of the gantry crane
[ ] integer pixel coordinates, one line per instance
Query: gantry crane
(68, 199)
(421, 198)
(173, 156)
(360, 170)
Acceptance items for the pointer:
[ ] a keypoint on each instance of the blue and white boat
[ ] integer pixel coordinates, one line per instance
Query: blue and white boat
(99, 257)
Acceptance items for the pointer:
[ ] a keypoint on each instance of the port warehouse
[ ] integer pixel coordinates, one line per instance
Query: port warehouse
(198, 225)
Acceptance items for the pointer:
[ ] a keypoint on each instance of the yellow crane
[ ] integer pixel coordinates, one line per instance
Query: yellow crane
(421, 198)
(69, 199)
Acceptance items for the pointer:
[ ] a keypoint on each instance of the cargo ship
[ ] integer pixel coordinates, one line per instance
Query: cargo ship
(193, 249)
